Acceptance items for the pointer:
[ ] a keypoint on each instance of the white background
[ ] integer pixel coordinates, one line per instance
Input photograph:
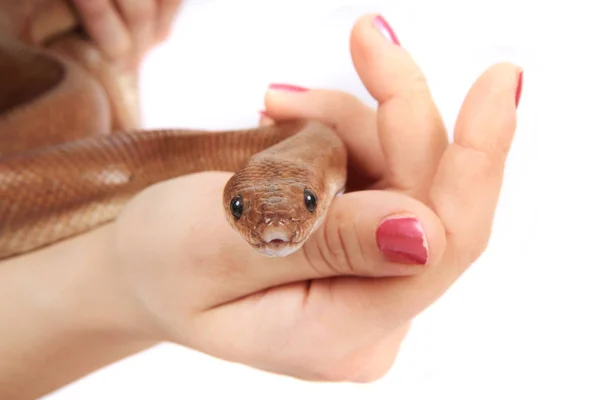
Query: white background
(523, 322)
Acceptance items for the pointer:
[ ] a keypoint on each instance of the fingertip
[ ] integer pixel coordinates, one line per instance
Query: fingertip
(264, 119)
(469, 177)
(385, 67)
(401, 238)
(519, 88)
(369, 49)
(497, 77)
(391, 235)
(332, 107)
(365, 28)
(411, 235)
(372, 28)
(487, 119)
(284, 100)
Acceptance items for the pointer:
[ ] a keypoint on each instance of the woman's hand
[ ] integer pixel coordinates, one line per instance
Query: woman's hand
(171, 268)
(421, 216)
(125, 30)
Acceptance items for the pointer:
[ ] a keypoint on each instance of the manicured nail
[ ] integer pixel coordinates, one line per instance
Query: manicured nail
(519, 87)
(264, 119)
(385, 29)
(284, 86)
(401, 239)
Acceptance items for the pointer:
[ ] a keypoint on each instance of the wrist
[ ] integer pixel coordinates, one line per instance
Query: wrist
(75, 286)
(66, 313)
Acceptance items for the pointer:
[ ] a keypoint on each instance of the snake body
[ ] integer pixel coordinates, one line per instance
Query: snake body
(70, 159)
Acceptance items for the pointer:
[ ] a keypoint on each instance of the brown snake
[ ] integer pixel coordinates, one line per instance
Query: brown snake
(71, 154)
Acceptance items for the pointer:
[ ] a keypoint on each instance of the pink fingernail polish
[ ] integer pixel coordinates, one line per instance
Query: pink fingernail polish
(401, 239)
(284, 86)
(385, 29)
(519, 88)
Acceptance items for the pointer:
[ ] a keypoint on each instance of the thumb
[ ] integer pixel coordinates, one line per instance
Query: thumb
(184, 250)
(376, 233)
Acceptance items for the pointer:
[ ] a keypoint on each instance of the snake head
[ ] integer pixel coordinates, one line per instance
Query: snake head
(274, 214)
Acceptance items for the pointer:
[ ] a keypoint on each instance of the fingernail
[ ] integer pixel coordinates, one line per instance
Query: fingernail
(289, 88)
(519, 87)
(401, 239)
(385, 29)
(264, 119)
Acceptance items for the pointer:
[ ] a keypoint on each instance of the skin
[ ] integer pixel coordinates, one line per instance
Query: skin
(318, 314)
(125, 30)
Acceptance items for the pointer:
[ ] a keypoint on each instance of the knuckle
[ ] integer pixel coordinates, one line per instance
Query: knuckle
(329, 258)
(412, 89)
(417, 80)
(335, 243)
(493, 141)
(415, 86)
(473, 250)
(340, 244)
(483, 163)
(468, 250)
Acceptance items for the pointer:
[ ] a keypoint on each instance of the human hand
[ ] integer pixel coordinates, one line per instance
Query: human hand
(338, 309)
(126, 29)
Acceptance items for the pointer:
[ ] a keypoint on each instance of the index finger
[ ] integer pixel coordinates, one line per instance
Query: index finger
(469, 177)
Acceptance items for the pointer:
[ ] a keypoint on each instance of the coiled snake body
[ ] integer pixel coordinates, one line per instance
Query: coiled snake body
(71, 157)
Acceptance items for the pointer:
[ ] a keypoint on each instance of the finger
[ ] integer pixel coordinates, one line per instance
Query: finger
(140, 17)
(393, 235)
(354, 121)
(411, 130)
(264, 119)
(207, 250)
(292, 335)
(167, 11)
(376, 233)
(103, 24)
(464, 194)
(469, 178)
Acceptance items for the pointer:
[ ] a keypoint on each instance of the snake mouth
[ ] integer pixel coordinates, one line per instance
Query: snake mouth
(276, 235)
(277, 248)
(276, 241)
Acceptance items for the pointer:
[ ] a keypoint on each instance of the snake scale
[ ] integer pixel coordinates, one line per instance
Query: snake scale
(72, 154)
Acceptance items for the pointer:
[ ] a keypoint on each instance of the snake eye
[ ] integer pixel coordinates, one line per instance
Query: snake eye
(310, 200)
(236, 206)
